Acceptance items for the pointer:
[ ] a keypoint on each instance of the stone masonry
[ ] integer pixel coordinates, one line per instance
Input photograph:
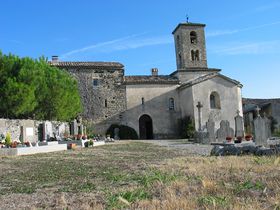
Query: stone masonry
(101, 89)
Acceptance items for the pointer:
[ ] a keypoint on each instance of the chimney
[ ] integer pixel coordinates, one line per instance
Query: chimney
(55, 59)
(154, 72)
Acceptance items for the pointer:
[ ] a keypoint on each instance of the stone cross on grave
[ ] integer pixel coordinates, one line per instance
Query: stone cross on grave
(199, 106)
(238, 112)
(258, 109)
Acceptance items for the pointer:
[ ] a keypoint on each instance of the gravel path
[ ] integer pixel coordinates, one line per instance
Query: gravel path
(183, 144)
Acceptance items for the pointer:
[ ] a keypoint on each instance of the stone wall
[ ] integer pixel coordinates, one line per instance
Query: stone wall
(156, 105)
(230, 101)
(103, 95)
(31, 130)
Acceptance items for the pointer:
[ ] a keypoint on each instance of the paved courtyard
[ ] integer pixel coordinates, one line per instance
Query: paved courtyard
(183, 144)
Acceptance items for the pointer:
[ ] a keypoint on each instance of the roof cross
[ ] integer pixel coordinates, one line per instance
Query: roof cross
(187, 17)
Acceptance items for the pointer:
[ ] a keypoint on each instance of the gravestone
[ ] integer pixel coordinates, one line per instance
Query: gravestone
(267, 126)
(47, 130)
(239, 125)
(224, 131)
(116, 134)
(230, 131)
(201, 137)
(81, 129)
(260, 131)
(210, 125)
(61, 130)
(74, 128)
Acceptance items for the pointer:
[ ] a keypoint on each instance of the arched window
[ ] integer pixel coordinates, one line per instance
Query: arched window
(215, 101)
(171, 104)
(193, 37)
(195, 55)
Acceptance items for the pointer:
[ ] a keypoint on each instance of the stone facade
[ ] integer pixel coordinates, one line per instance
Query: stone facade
(102, 90)
(152, 105)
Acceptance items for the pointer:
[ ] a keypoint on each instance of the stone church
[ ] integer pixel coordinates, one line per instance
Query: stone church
(153, 104)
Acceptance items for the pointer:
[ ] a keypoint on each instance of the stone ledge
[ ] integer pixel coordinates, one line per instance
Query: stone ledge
(32, 150)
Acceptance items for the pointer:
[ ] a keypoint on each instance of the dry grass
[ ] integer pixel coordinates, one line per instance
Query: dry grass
(138, 176)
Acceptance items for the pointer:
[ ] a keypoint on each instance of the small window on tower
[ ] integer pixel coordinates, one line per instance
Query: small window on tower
(193, 37)
(106, 103)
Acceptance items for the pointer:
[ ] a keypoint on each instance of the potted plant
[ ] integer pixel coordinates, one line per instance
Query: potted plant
(27, 143)
(238, 139)
(8, 140)
(248, 137)
(14, 144)
(90, 143)
(228, 138)
(79, 136)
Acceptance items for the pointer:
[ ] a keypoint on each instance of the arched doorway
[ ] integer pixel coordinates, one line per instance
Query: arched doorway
(146, 127)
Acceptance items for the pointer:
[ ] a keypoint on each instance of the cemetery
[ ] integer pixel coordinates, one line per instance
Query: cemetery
(26, 137)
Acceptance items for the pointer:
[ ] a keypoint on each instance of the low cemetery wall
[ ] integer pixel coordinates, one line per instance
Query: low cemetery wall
(32, 150)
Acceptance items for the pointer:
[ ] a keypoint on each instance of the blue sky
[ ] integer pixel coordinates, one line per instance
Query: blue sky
(243, 37)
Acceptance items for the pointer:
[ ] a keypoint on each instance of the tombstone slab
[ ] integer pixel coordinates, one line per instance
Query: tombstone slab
(210, 125)
(239, 125)
(260, 131)
(224, 131)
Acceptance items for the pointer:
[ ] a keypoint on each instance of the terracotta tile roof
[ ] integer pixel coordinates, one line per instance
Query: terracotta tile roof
(160, 79)
(87, 64)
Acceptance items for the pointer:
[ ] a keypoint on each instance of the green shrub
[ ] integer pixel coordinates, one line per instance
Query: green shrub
(277, 132)
(8, 140)
(125, 132)
(90, 143)
(186, 127)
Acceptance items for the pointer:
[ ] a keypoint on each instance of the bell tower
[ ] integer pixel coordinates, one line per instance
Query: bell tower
(190, 46)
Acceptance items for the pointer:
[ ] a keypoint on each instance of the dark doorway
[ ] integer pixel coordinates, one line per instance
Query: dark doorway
(146, 127)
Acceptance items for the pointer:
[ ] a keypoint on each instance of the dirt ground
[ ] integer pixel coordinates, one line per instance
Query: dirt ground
(139, 175)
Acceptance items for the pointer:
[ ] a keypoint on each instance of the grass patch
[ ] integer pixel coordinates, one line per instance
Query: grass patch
(124, 199)
(152, 176)
(249, 185)
(137, 175)
(215, 201)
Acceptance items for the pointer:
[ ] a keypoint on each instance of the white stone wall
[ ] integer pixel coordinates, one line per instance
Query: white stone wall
(186, 102)
(156, 106)
(230, 101)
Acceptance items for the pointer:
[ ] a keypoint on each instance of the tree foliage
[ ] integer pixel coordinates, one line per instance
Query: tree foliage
(34, 89)
(186, 127)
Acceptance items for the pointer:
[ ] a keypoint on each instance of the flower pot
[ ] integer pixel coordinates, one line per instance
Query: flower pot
(72, 146)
